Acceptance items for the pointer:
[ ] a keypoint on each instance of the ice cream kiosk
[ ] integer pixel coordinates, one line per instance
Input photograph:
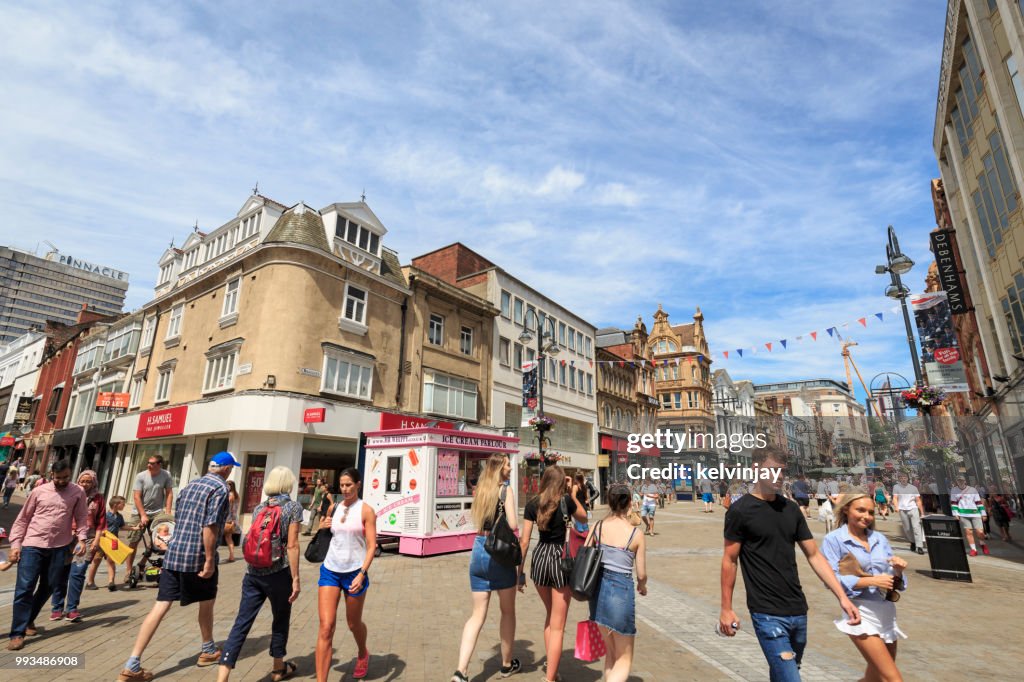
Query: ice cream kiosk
(421, 480)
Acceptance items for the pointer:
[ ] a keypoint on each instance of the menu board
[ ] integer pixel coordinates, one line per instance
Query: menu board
(447, 473)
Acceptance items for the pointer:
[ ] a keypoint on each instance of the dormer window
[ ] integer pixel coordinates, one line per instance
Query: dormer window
(360, 237)
(250, 226)
(191, 258)
(165, 273)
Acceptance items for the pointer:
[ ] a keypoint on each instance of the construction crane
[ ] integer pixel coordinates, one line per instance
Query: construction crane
(847, 362)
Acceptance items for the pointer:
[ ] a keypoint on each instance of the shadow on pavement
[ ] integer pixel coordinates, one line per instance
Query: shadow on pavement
(492, 666)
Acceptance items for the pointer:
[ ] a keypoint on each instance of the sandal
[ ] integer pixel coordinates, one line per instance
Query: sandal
(287, 673)
(458, 676)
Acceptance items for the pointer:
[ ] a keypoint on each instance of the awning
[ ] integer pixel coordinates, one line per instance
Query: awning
(621, 446)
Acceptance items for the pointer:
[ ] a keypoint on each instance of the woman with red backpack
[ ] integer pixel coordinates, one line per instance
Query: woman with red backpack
(271, 551)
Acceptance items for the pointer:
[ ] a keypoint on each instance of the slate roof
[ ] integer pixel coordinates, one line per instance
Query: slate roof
(390, 268)
(300, 225)
(685, 333)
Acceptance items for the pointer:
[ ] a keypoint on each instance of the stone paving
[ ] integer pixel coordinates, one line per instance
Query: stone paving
(416, 609)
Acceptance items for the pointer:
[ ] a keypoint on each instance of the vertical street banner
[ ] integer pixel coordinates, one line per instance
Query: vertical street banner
(940, 350)
(530, 378)
(949, 273)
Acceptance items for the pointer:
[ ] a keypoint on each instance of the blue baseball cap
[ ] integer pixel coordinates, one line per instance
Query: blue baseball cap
(225, 458)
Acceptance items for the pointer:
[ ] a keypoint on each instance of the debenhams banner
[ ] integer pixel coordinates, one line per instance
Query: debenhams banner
(940, 351)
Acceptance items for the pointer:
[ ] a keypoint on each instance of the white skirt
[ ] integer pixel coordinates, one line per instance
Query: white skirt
(877, 617)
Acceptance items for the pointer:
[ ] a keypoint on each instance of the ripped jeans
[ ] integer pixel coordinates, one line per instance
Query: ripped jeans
(782, 639)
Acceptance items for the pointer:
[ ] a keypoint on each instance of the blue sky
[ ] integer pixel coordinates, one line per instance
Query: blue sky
(745, 157)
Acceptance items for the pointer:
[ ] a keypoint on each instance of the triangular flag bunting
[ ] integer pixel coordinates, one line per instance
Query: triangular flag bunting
(783, 342)
(726, 354)
(622, 363)
(879, 316)
(863, 321)
(700, 358)
(769, 346)
(830, 330)
(591, 364)
(739, 352)
(814, 335)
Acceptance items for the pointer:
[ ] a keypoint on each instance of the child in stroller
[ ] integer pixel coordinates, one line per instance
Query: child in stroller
(155, 539)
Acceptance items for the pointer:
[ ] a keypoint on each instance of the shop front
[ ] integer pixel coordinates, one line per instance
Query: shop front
(99, 453)
(421, 481)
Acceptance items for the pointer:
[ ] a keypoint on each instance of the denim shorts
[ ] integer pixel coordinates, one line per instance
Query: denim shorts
(329, 578)
(485, 574)
(613, 603)
(648, 509)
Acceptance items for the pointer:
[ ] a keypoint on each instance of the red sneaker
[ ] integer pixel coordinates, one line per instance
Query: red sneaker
(984, 548)
(362, 666)
(56, 614)
(973, 552)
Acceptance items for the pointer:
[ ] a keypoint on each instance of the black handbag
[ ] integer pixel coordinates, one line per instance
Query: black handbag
(502, 544)
(316, 550)
(586, 571)
(566, 562)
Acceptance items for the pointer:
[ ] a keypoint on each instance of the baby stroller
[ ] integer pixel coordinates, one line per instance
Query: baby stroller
(155, 539)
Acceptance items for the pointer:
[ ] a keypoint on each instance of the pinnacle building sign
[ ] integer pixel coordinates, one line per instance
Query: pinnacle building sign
(949, 274)
(101, 270)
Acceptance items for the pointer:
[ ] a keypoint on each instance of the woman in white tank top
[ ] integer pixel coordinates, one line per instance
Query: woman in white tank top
(353, 526)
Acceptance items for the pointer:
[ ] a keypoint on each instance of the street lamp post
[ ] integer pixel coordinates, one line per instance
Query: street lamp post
(547, 345)
(897, 264)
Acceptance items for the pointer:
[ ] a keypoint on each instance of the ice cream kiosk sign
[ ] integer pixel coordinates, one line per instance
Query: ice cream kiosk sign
(422, 483)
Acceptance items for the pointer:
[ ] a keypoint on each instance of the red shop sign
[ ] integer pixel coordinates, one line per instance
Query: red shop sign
(390, 421)
(169, 422)
(314, 415)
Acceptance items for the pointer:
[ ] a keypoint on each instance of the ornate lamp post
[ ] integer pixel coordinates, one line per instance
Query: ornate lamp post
(547, 346)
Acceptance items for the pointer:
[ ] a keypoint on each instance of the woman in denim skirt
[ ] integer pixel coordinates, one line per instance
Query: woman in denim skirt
(486, 575)
(612, 606)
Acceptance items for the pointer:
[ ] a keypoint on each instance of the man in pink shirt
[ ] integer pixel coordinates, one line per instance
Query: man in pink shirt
(40, 541)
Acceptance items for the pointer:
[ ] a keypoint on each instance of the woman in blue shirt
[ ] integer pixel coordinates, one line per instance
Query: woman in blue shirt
(864, 563)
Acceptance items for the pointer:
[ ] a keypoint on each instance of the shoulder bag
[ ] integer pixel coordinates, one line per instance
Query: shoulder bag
(316, 550)
(566, 562)
(502, 543)
(586, 571)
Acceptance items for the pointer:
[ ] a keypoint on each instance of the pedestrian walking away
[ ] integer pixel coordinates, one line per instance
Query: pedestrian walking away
(881, 500)
(41, 539)
(802, 494)
(189, 572)
(494, 497)
(612, 606)
(353, 526)
(967, 507)
(231, 525)
(67, 593)
(271, 552)
(761, 530)
(152, 493)
(707, 496)
(872, 577)
(906, 498)
(551, 512)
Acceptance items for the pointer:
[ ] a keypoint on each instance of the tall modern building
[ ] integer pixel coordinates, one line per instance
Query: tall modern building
(34, 290)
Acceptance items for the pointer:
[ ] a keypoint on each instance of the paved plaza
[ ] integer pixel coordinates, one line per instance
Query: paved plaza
(416, 608)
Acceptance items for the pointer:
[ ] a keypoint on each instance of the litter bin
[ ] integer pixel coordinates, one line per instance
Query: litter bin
(946, 548)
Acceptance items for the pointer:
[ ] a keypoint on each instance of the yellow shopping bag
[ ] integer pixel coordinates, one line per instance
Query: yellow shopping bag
(113, 547)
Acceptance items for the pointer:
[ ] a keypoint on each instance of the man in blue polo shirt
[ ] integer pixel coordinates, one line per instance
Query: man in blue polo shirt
(190, 567)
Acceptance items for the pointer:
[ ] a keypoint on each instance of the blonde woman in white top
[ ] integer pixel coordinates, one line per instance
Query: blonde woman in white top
(353, 526)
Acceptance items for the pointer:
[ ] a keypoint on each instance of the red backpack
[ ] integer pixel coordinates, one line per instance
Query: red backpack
(263, 542)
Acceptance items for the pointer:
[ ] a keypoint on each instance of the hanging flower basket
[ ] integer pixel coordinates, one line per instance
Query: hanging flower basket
(923, 396)
(946, 452)
(542, 423)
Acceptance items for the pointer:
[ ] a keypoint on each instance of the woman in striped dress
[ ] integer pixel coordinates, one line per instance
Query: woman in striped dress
(552, 512)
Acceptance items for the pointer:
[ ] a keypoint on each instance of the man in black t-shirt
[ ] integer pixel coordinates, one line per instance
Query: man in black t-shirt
(760, 532)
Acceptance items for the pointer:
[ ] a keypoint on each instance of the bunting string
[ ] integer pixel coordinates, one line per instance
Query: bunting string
(832, 331)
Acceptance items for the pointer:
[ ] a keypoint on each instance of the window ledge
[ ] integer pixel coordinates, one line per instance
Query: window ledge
(222, 389)
(228, 320)
(347, 325)
(172, 342)
(348, 396)
(162, 402)
(143, 352)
